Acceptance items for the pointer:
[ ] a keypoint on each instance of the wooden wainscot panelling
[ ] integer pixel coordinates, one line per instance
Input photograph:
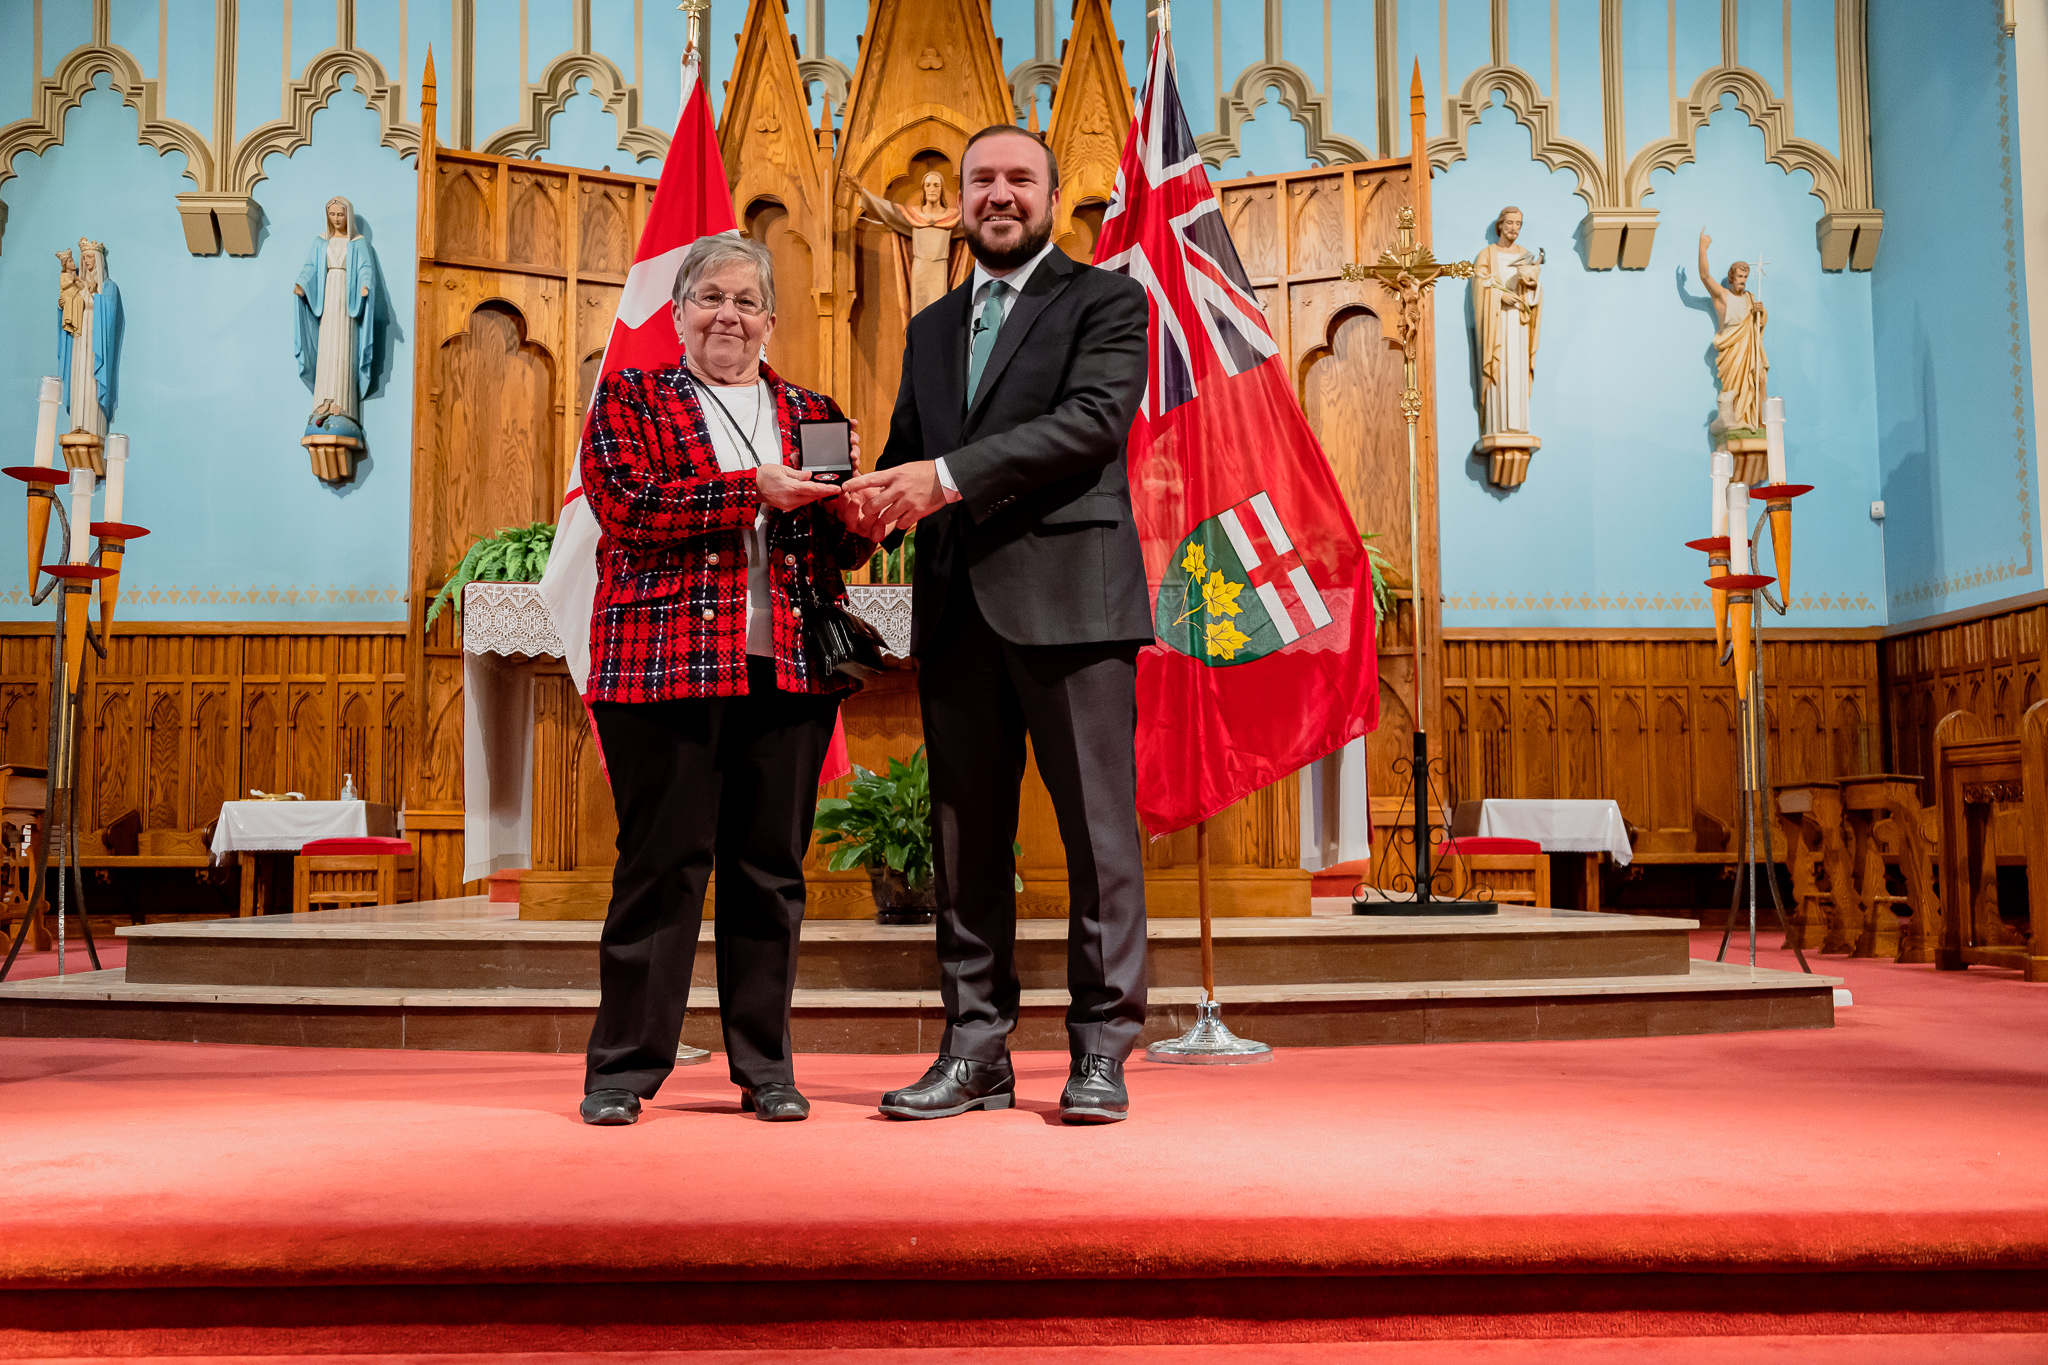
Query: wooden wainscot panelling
(1990, 667)
(1649, 719)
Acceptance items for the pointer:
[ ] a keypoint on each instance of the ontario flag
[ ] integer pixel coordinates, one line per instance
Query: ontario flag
(1261, 591)
(691, 200)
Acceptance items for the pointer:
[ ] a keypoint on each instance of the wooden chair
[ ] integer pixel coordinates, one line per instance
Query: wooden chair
(329, 873)
(1992, 798)
(1513, 871)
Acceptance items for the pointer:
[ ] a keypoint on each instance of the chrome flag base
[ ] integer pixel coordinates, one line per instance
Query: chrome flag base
(691, 1056)
(1209, 1043)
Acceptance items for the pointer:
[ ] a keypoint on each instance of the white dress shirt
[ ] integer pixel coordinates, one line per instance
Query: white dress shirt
(983, 278)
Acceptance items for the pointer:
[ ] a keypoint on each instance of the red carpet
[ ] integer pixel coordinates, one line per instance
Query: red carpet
(1890, 1175)
(113, 953)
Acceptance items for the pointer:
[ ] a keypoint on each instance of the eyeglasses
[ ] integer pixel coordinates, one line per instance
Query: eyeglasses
(711, 299)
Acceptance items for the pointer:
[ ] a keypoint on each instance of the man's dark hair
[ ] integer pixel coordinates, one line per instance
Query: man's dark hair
(1052, 163)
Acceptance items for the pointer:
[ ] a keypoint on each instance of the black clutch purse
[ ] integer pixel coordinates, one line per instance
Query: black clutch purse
(842, 642)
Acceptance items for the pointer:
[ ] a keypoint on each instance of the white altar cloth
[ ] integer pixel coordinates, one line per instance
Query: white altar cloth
(288, 826)
(1560, 826)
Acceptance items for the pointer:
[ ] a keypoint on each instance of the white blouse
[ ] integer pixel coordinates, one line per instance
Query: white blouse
(752, 410)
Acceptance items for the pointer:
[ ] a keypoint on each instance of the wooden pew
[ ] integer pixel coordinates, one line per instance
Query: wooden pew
(1992, 795)
(1886, 824)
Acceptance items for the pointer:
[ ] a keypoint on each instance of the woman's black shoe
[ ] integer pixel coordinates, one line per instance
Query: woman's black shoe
(777, 1102)
(610, 1108)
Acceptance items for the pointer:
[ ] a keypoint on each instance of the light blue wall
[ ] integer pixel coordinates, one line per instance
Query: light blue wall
(209, 391)
(1900, 385)
(1958, 447)
(1625, 388)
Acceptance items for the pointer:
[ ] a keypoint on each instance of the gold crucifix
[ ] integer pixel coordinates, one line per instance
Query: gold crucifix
(1406, 274)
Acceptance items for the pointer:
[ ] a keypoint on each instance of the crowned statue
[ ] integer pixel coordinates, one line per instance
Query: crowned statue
(88, 336)
(929, 250)
(1739, 360)
(1507, 316)
(339, 293)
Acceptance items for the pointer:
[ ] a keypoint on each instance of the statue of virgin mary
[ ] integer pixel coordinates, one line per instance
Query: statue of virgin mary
(88, 332)
(339, 293)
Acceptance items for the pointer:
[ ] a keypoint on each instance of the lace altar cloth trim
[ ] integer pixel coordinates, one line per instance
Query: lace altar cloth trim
(509, 618)
(887, 609)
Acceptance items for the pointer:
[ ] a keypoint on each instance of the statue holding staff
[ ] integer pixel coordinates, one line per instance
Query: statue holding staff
(1739, 360)
(1507, 313)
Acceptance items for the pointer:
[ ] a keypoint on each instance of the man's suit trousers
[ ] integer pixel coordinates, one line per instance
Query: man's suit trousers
(981, 697)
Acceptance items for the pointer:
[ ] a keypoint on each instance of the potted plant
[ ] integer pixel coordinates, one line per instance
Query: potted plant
(883, 823)
(517, 554)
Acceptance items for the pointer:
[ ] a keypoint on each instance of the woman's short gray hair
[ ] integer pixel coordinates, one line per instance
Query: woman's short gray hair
(721, 249)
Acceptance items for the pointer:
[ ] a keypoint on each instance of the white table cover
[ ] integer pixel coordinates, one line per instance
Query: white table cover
(1560, 826)
(286, 826)
(505, 633)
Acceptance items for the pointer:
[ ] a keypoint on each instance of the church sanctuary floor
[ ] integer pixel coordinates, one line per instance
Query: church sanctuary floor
(465, 974)
(1875, 1192)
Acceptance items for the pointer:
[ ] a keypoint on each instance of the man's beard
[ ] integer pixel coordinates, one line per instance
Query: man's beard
(1036, 235)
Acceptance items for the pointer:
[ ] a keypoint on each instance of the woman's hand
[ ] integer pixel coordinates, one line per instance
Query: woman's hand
(787, 489)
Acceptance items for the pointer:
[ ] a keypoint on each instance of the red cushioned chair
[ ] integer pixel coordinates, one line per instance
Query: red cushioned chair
(1516, 871)
(329, 873)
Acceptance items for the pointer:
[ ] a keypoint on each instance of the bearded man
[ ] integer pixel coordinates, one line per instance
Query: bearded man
(1006, 451)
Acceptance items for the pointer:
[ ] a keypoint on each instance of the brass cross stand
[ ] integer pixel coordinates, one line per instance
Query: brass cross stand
(1406, 275)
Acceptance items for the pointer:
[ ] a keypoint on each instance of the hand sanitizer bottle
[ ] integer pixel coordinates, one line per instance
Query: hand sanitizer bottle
(348, 786)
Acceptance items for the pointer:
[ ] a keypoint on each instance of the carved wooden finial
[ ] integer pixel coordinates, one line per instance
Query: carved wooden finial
(1415, 90)
(427, 101)
(1033, 128)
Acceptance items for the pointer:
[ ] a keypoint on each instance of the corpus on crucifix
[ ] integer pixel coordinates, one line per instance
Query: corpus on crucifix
(930, 254)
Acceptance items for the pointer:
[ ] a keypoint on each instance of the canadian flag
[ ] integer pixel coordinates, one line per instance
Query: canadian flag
(691, 200)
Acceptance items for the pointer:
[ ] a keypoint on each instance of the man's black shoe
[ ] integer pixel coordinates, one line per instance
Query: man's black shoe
(776, 1102)
(1095, 1092)
(952, 1086)
(610, 1108)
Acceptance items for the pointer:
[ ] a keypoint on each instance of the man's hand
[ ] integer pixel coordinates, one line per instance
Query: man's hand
(787, 489)
(896, 499)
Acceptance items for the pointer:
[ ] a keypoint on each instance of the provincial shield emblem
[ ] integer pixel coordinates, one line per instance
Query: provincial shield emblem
(1239, 590)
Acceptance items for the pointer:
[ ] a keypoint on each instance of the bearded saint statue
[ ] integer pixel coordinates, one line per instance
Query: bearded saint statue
(1507, 312)
(339, 292)
(88, 335)
(929, 252)
(1739, 360)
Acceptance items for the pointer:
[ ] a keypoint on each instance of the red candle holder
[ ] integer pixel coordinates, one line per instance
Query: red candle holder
(1777, 498)
(114, 537)
(35, 473)
(42, 493)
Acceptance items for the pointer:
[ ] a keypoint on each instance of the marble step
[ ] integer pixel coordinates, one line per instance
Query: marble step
(1701, 997)
(469, 944)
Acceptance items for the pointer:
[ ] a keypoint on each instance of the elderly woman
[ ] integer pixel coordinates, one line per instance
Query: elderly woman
(713, 720)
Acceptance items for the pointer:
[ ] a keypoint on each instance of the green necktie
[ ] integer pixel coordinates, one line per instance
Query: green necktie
(985, 336)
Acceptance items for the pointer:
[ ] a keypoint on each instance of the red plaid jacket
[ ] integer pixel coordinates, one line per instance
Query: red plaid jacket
(670, 615)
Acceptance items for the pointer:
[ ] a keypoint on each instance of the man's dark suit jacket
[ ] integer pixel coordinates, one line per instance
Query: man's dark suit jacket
(1043, 527)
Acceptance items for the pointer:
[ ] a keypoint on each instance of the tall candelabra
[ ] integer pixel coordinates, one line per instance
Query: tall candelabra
(72, 579)
(1739, 631)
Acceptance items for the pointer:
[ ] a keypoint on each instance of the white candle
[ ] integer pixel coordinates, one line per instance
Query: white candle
(1738, 528)
(1774, 438)
(48, 395)
(1724, 474)
(117, 476)
(81, 515)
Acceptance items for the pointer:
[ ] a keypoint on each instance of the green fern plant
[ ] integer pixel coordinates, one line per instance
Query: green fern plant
(1383, 599)
(517, 554)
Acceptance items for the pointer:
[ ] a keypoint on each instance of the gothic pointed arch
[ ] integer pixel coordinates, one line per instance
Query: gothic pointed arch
(1771, 115)
(1532, 111)
(1091, 115)
(64, 89)
(550, 95)
(305, 97)
(1298, 97)
(781, 186)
